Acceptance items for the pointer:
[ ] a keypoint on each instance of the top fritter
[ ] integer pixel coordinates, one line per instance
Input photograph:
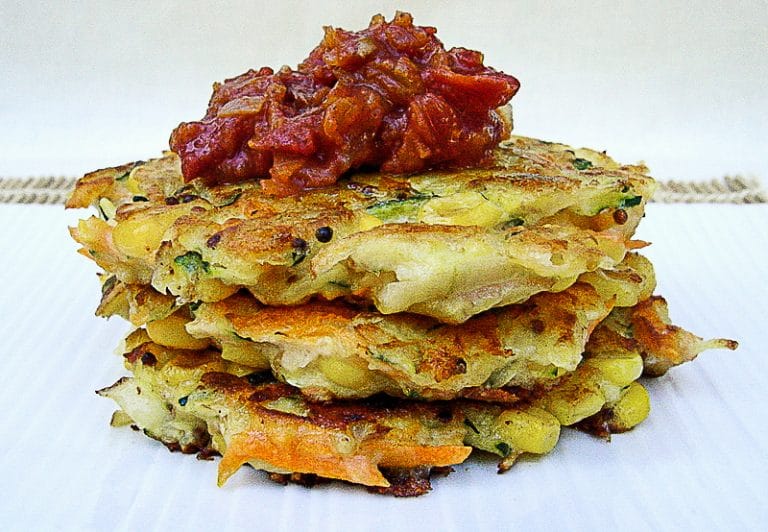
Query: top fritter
(446, 244)
(389, 96)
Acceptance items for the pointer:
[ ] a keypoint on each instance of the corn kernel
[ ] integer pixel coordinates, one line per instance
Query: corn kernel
(344, 372)
(632, 408)
(532, 430)
(132, 185)
(246, 353)
(171, 332)
(572, 403)
(621, 369)
(141, 236)
(463, 208)
(108, 208)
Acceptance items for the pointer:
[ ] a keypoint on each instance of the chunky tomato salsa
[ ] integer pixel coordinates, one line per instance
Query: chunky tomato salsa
(389, 97)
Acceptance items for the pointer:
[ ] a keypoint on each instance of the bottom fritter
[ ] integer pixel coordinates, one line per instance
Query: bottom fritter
(196, 401)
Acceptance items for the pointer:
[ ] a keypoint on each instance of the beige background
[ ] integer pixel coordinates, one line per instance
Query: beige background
(678, 84)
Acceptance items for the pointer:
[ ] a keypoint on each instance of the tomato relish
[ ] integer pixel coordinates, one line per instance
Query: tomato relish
(389, 97)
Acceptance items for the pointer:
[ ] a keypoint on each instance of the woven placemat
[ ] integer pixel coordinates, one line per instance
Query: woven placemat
(41, 190)
(726, 190)
(54, 190)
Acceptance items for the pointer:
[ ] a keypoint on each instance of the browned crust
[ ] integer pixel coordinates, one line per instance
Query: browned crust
(663, 344)
(95, 185)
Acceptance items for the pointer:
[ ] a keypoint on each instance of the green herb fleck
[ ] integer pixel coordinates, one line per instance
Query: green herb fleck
(380, 356)
(140, 198)
(107, 208)
(468, 422)
(300, 250)
(395, 209)
(413, 394)
(192, 262)
(108, 285)
(297, 257)
(195, 305)
(513, 222)
(581, 164)
(504, 449)
(230, 199)
(123, 176)
(630, 202)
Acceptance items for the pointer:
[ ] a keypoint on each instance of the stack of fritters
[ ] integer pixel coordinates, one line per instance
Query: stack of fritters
(382, 327)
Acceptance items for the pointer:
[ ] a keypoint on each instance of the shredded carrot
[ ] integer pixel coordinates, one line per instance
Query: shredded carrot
(303, 452)
(305, 448)
(637, 244)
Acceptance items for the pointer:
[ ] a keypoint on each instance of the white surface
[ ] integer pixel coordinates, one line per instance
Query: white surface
(679, 84)
(699, 462)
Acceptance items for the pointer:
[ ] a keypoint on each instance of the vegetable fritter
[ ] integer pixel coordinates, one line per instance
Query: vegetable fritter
(335, 350)
(446, 244)
(197, 401)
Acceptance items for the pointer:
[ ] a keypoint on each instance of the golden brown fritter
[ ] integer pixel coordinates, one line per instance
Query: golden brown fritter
(647, 328)
(195, 400)
(335, 350)
(444, 244)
